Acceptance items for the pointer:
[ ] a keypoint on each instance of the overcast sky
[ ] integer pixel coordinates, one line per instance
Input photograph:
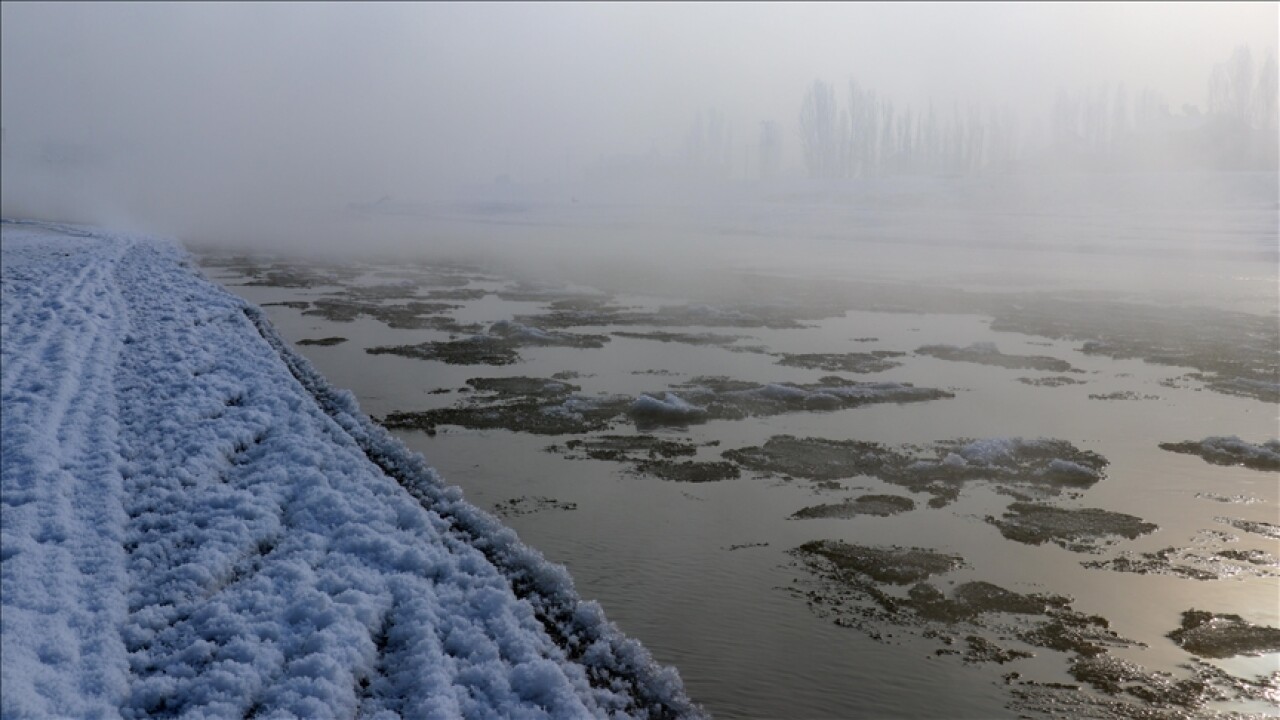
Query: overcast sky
(349, 101)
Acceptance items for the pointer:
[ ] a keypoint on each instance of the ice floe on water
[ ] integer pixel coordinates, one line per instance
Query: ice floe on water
(670, 408)
(499, 346)
(553, 408)
(1040, 491)
(872, 362)
(888, 592)
(986, 353)
(196, 524)
(1077, 529)
(726, 399)
(1224, 635)
(1231, 450)
(1232, 353)
(1031, 467)
(877, 505)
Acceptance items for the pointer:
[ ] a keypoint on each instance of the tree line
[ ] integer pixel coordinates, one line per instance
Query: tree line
(859, 133)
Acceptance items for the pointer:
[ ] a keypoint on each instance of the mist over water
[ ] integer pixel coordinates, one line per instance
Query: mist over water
(266, 125)
(694, 201)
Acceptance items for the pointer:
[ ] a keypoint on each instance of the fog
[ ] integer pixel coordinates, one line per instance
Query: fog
(293, 124)
(1006, 268)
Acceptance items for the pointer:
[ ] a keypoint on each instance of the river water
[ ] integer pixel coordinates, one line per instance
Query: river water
(705, 573)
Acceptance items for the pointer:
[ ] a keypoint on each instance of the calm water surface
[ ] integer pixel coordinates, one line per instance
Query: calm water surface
(661, 557)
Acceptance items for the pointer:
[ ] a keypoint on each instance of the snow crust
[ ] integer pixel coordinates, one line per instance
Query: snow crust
(194, 523)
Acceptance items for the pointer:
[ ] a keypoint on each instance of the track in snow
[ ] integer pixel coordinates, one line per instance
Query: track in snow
(195, 524)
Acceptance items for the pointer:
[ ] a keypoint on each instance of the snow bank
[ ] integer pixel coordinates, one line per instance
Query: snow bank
(195, 523)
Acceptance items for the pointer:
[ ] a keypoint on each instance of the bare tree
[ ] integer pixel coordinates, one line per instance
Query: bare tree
(770, 150)
(1265, 98)
(1120, 122)
(1231, 87)
(1219, 90)
(1240, 68)
(905, 148)
(818, 132)
(885, 146)
(844, 146)
(708, 146)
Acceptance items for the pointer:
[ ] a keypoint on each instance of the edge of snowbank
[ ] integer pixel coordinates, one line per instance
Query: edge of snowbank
(169, 608)
(589, 638)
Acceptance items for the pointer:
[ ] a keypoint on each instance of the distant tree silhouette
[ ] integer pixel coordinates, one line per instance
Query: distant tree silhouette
(819, 134)
(1093, 129)
(708, 146)
(1265, 111)
(770, 150)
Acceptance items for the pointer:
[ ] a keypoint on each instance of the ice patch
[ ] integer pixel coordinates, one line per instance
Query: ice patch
(774, 391)
(992, 451)
(670, 408)
(1231, 450)
(523, 333)
(1067, 468)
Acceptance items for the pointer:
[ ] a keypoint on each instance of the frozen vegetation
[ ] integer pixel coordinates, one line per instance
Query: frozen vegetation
(1042, 466)
(497, 347)
(196, 524)
(551, 407)
(986, 353)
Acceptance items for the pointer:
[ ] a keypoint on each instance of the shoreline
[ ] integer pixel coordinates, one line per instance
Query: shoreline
(261, 545)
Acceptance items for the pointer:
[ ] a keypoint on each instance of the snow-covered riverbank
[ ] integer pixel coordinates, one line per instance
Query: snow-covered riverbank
(195, 523)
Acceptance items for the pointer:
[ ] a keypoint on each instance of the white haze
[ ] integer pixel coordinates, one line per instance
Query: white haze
(264, 123)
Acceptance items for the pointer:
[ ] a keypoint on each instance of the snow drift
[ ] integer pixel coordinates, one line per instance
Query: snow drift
(193, 522)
